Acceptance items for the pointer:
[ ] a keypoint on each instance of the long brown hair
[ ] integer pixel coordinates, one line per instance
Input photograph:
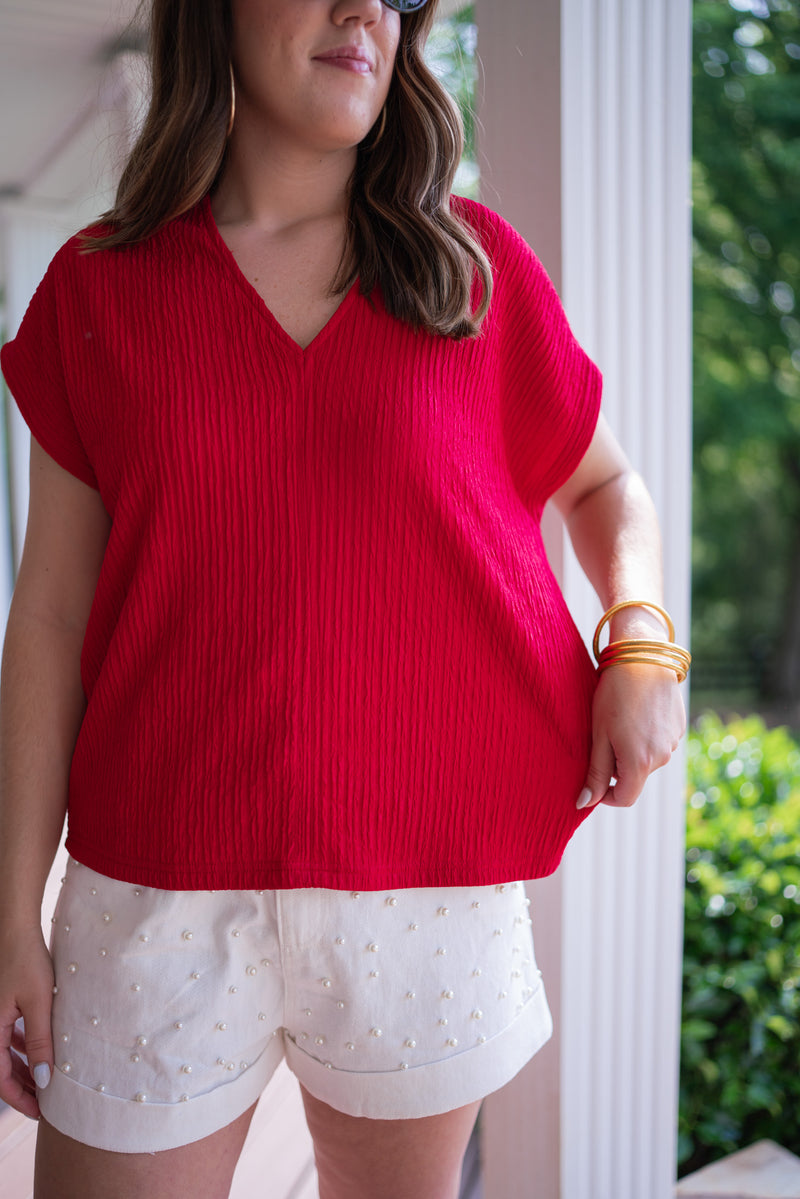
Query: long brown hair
(401, 233)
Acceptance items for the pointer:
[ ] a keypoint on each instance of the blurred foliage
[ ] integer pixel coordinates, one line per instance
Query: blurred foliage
(746, 192)
(451, 55)
(740, 1036)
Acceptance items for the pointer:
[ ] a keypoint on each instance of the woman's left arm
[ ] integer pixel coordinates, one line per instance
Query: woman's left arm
(638, 714)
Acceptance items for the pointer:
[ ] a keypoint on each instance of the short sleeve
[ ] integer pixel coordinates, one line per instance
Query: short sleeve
(551, 387)
(33, 367)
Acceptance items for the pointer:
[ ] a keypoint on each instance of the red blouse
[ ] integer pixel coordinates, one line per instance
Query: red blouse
(326, 648)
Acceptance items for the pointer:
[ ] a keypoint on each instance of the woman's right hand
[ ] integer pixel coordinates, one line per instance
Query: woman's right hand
(26, 990)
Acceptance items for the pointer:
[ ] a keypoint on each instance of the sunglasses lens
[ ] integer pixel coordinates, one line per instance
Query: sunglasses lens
(405, 5)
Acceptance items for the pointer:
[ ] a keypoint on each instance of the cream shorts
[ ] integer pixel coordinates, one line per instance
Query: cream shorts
(174, 1008)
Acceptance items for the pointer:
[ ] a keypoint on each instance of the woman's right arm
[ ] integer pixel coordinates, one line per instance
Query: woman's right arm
(41, 708)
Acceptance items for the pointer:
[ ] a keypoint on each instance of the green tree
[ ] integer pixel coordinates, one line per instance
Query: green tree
(451, 55)
(747, 337)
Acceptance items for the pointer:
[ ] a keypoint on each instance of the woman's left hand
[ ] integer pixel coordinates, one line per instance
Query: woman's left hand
(638, 718)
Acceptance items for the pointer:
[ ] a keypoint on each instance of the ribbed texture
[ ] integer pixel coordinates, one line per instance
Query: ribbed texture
(326, 648)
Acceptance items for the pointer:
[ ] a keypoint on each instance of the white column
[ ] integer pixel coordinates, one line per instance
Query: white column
(586, 149)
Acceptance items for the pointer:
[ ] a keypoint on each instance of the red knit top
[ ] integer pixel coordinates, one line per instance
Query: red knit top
(326, 648)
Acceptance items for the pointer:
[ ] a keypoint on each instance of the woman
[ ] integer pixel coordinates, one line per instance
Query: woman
(284, 640)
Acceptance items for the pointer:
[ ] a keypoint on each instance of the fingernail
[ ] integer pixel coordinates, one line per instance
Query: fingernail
(584, 798)
(41, 1075)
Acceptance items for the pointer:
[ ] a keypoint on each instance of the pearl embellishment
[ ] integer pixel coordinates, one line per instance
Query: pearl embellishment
(250, 970)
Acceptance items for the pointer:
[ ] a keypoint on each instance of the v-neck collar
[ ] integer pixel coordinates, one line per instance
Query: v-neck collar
(228, 261)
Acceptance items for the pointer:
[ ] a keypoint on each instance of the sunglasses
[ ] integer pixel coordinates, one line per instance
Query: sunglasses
(405, 5)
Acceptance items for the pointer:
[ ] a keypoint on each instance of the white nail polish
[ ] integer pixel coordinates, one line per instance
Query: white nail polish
(584, 798)
(41, 1075)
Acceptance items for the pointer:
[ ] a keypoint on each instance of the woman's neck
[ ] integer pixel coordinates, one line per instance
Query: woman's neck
(274, 186)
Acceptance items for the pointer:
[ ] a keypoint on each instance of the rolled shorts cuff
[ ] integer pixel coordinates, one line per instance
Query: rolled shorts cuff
(95, 1119)
(433, 1088)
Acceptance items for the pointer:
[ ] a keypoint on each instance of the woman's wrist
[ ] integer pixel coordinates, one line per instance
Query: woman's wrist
(635, 623)
(641, 633)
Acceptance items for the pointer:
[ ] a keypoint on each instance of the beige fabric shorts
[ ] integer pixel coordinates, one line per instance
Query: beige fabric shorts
(174, 1008)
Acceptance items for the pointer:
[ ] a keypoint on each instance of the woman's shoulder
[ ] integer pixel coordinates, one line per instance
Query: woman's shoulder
(83, 262)
(514, 263)
(499, 237)
(481, 217)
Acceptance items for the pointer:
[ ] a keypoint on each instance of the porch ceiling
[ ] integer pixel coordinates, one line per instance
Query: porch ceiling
(54, 79)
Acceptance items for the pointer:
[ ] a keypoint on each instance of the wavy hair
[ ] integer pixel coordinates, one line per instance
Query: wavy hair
(401, 232)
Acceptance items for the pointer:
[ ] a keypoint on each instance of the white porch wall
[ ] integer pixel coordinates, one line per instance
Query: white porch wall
(586, 150)
(29, 236)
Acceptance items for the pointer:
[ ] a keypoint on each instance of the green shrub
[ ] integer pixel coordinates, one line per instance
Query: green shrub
(740, 1040)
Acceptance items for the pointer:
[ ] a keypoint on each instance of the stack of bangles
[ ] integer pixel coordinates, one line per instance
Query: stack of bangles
(652, 653)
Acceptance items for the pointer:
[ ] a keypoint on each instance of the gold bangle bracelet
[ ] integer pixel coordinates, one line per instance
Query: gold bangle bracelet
(679, 662)
(645, 650)
(658, 649)
(646, 660)
(631, 604)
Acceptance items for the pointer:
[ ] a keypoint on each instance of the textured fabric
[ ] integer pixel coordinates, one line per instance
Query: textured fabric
(174, 1008)
(326, 648)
